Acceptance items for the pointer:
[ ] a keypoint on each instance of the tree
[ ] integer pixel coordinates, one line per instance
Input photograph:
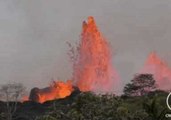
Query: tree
(11, 93)
(140, 85)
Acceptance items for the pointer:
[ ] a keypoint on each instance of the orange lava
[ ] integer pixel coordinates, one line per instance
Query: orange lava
(160, 70)
(24, 98)
(93, 69)
(56, 90)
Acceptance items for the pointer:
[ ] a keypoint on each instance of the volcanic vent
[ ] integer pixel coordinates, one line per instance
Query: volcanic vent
(56, 90)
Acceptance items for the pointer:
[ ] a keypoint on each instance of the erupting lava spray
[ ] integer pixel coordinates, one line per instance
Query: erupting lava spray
(160, 70)
(93, 69)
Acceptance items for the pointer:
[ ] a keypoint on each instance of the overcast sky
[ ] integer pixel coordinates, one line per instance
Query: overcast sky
(33, 35)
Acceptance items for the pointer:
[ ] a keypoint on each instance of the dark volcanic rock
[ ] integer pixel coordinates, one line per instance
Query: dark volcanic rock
(34, 94)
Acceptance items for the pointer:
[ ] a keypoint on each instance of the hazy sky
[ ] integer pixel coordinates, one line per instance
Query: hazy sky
(33, 35)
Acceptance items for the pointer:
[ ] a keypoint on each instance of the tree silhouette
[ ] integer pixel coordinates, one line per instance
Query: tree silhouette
(11, 93)
(140, 85)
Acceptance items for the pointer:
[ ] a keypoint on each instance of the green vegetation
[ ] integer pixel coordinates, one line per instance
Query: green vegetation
(140, 101)
(88, 106)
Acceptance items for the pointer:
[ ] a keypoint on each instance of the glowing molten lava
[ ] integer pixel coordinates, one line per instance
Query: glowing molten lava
(55, 91)
(24, 98)
(160, 70)
(93, 68)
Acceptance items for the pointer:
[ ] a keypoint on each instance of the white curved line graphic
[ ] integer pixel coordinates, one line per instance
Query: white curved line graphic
(167, 101)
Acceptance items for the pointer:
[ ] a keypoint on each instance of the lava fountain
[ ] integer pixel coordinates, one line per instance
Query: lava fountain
(93, 69)
(160, 70)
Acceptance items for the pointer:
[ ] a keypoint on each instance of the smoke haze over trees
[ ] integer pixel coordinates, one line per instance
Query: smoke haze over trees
(34, 34)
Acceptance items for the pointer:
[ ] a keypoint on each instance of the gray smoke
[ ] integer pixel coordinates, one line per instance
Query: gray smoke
(33, 35)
